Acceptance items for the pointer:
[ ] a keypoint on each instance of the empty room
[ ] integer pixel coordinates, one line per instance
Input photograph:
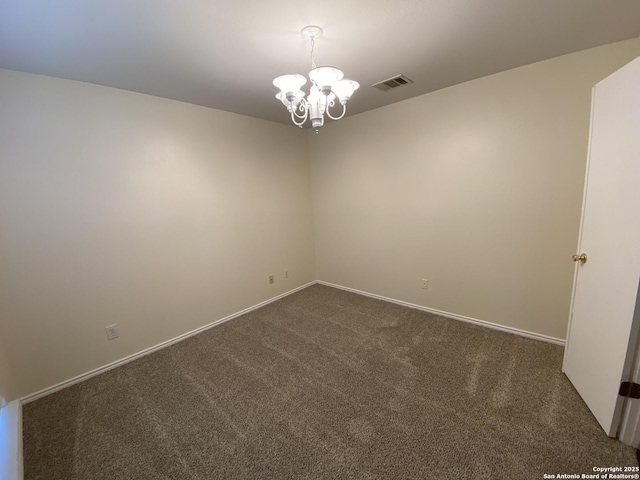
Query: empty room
(336, 240)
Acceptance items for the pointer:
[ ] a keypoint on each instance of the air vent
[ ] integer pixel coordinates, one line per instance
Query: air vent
(391, 83)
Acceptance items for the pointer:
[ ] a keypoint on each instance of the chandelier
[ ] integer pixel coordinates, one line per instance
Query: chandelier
(327, 85)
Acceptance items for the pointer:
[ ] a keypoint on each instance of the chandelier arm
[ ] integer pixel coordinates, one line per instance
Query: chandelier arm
(303, 108)
(303, 118)
(344, 110)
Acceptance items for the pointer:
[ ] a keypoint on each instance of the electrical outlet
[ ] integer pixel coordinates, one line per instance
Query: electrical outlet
(112, 332)
(271, 280)
(425, 284)
(286, 273)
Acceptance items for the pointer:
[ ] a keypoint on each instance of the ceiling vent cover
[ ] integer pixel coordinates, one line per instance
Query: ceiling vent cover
(391, 83)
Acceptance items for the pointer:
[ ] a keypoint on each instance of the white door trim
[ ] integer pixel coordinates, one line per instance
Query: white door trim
(584, 203)
(629, 428)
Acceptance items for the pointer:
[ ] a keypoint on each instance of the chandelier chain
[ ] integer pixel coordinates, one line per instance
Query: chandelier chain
(313, 61)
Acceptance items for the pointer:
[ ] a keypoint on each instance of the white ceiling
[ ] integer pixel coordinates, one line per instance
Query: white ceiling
(225, 53)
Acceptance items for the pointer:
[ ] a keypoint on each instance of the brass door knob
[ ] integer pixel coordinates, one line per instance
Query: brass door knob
(580, 258)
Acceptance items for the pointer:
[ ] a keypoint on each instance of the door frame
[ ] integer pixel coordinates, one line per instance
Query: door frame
(629, 428)
(582, 210)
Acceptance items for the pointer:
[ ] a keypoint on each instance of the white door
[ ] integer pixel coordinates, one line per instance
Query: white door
(606, 286)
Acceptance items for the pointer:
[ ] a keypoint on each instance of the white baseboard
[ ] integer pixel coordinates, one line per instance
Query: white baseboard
(11, 441)
(117, 363)
(147, 351)
(495, 326)
(11, 463)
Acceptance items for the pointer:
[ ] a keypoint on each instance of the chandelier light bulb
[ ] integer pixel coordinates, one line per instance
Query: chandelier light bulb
(327, 85)
(344, 89)
(325, 77)
(289, 84)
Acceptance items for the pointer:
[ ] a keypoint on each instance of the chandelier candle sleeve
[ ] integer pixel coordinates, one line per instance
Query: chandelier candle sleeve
(325, 77)
(327, 85)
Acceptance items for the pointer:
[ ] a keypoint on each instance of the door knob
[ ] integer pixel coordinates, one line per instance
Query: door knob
(580, 258)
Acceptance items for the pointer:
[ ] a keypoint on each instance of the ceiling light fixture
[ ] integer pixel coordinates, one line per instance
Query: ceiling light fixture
(327, 84)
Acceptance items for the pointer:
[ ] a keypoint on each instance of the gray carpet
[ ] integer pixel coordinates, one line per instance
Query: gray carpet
(324, 384)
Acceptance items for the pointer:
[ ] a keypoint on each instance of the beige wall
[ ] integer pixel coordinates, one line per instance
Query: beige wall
(7, 384)
(477, 188)
(161, 216)
(123, 208)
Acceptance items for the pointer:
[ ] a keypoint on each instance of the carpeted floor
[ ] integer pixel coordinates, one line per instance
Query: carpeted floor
(325, 384)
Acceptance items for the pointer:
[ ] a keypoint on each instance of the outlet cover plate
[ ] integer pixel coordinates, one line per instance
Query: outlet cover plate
(112, 332)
